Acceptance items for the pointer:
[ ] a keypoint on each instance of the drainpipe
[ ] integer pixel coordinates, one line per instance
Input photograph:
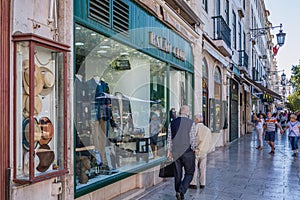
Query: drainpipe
(50, 16)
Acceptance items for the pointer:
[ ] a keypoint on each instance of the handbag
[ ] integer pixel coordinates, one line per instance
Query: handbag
(166, 169)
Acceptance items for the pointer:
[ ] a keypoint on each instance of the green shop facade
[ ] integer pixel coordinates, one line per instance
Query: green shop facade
(131, 75)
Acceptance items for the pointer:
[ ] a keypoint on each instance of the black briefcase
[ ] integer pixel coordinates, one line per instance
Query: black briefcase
(166, 169)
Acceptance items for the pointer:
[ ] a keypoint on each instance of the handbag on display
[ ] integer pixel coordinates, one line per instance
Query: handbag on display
(166, 169)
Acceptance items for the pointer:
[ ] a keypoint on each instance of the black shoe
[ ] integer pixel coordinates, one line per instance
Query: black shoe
(182, 196)
(294, 155)
(202, 186)
(193, 186)
(271, 152)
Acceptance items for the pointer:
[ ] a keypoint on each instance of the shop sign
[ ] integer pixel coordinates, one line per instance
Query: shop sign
(267, 98)
(163, 44)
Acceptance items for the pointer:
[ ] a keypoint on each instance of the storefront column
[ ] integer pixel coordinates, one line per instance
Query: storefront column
(198, 59)
(4, 97)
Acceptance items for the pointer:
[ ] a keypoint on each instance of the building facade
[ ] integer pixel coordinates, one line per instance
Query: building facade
(94, 85)
(92, 94)
(131, 78)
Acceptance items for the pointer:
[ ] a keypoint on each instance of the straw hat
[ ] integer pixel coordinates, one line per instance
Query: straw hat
(49, 81)
(46, 156)
(47, 130)
(37, 133)
(38, 78)
(37, 105)
(26, 163)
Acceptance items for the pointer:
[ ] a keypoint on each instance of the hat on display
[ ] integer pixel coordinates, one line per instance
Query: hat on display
(47, 130)
(49, 81)
(38, 78)
(37, 133)
(37, 105)
(26, 163)
(46, 156)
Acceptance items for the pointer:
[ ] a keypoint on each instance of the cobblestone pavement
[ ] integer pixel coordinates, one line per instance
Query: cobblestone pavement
(240, 171)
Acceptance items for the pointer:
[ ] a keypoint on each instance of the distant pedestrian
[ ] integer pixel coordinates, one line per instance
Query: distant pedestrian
(293, 125)
(298, 116)
(181, 145)
(270, 128)
(259, 122)
(283, 120)
(204, 145)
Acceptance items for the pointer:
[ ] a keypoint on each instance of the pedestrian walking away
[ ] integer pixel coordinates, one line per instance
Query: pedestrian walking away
(270, 128)
(293, 125)
(181, 144)
(204, 145)
(259, 122)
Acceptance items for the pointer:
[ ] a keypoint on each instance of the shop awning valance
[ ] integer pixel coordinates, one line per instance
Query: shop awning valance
(262, 88)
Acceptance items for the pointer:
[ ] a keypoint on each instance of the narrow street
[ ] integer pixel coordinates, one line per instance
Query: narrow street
(240, 171)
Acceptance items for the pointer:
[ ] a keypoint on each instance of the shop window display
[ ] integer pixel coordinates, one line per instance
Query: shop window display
(40, 104)
(181, 91)
(216, 103)
(120, 106)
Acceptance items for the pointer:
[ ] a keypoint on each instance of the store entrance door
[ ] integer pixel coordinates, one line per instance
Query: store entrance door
(234, 121)
(4, 97)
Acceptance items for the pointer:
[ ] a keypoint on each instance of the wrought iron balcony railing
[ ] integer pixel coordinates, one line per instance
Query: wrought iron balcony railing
(222, 30)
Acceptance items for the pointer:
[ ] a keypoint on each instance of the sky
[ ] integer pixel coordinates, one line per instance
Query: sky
(287, 13)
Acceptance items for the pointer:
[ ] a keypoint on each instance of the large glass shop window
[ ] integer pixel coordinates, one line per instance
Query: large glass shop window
(180, 89)
(120, 108)
(40, 104)
(217, 97)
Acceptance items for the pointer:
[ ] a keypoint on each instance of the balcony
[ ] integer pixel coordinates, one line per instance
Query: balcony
(222, 35)
(243, 60)
(184, 10)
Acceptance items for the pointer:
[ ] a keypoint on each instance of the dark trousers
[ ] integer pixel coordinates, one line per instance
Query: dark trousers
(187, 161)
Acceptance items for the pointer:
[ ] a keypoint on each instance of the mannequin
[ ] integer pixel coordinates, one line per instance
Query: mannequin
(100, 104)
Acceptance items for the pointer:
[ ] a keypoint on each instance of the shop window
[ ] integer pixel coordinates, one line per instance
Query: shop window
(216, 103)
(190, 91)
(205, 92)
(181, 91)
(40, 107)
(120, 109)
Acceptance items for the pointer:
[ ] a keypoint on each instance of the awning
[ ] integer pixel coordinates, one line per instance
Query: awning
(262, 88)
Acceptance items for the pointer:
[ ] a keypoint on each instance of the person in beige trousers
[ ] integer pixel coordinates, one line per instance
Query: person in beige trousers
(204, 143)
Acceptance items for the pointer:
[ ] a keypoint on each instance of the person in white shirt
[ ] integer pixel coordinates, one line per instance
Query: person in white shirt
(259, 127)
(294, 132)
(204, 145)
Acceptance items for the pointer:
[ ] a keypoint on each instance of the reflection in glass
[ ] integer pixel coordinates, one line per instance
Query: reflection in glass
(120, 106)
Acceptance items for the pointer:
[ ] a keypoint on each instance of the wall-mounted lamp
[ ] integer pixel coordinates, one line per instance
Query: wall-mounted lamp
(255, 32)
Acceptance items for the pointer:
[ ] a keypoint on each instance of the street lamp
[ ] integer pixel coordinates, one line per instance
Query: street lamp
(280, 37)
(283, 78)
(262, 31)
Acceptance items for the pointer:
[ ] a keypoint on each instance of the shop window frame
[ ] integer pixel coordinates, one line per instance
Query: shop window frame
(38, 41)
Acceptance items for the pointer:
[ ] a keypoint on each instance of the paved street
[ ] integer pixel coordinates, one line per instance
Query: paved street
(240, 171)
